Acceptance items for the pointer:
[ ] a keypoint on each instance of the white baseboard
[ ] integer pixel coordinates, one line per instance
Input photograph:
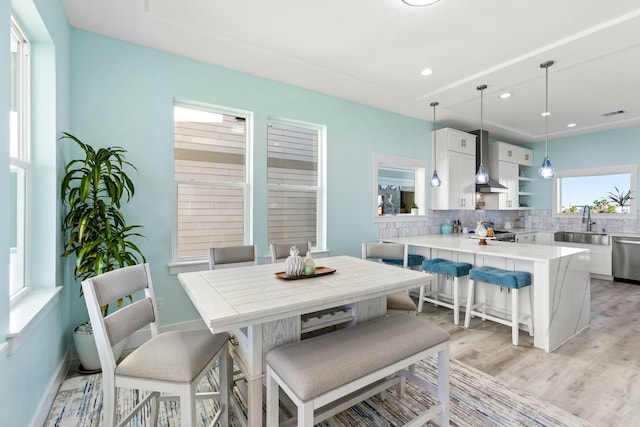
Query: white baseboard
(49, 396)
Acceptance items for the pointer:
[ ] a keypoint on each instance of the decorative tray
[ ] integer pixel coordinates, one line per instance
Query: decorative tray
(320, 271)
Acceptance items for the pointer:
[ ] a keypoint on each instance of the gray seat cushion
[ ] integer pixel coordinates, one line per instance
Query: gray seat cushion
(317, 365)
(177, 356)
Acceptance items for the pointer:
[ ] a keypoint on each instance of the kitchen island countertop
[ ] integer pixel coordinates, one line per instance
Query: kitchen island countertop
(561, 290)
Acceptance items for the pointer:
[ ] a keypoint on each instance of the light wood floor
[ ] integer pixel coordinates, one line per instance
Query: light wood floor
(595, 376)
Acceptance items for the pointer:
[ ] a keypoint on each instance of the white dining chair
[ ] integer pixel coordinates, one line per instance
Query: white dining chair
(280, 251)
(232, 256)
(171, 362)
(381, 252)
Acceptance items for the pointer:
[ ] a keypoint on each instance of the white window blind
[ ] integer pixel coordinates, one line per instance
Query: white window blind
(211, 180)
(293, 176)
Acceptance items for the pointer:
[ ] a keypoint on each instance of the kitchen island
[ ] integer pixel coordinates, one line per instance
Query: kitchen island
(561, 279)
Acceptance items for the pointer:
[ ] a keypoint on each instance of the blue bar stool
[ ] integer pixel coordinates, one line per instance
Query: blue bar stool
(413, 261)
(449, 269)
(513, 281)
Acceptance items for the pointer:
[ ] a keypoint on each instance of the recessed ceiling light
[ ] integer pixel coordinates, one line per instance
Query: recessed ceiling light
(505, 95)
(426, 72)
(420, 2)
(571, 125)
(546, 113)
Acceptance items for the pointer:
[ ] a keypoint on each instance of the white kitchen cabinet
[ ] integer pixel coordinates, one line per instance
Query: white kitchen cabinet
(514, 153)
(526, 238)
(504, 166)
(544, 238)
(600, 260)
(508, 176)
(455, 154)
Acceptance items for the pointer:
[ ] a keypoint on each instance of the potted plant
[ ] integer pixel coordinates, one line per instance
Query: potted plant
(621, 199)
(414, 208)
(95, 229)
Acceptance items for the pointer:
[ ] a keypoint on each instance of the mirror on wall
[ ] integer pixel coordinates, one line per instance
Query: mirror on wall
(398, 184)
(396, 190)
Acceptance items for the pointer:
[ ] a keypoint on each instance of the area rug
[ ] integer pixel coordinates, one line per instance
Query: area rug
(477, 399)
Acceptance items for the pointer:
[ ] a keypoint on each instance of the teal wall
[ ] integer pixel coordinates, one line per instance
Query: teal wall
(123, 94)
(26, 374)
(608, 148)
(108, 92)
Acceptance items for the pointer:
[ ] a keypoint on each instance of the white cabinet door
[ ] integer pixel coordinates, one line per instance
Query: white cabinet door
(508, 176)
(456, 163)
(544, 238)
(461, 142)
(514, 153)
(462, 176)
(526, 238)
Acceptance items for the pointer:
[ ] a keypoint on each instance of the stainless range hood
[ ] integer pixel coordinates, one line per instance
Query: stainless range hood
(492, 186)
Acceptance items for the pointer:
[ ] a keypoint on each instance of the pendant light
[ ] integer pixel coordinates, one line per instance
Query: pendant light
(435, 179)
(482, 177)
(420, 2)
(546, 171)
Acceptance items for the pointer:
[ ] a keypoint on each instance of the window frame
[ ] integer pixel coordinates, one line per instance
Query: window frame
(631, 169)
(247, 185)
(321, 185)
(21, 160)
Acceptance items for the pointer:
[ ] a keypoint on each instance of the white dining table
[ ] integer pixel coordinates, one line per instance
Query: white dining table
(263, 311)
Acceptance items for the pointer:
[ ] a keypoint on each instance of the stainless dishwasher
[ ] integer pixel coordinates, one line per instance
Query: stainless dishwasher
(625, 259)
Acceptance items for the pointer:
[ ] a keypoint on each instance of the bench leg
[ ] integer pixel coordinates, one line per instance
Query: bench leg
(515, 316)
(273, 398)
(443, 385)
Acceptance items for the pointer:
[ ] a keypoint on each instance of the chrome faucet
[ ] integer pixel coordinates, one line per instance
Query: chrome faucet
(587, 210)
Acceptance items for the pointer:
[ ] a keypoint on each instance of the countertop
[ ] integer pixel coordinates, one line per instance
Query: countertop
(465, 243)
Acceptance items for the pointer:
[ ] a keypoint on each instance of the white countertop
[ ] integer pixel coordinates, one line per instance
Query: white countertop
(465, 243)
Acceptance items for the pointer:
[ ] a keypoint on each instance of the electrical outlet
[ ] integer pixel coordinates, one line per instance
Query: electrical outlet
(159, 303)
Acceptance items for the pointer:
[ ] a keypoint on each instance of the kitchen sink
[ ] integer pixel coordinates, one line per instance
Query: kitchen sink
(585, 237)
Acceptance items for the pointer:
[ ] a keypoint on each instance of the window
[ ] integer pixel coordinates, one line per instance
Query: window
(295, 177)
(211, 180)
(608, 191)
(19, 161)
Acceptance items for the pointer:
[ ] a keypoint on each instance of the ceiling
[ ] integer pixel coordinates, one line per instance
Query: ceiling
(372, 52)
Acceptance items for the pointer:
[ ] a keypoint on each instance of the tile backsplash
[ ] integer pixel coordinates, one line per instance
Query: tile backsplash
(539, 219)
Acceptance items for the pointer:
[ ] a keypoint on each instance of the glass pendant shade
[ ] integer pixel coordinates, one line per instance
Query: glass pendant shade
(482, 177)
(546, 171)
(435, 180)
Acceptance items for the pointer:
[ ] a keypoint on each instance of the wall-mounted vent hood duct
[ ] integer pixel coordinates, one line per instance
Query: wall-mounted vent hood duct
(492, 186)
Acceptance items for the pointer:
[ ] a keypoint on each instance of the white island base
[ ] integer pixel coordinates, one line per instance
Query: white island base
(560, 288)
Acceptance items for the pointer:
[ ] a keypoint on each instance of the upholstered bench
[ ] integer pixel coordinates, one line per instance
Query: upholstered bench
(513, 281)
(439, 266)
(331, 367)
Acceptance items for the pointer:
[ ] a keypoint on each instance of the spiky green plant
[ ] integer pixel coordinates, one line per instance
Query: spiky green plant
(96, 232)
(620, 198)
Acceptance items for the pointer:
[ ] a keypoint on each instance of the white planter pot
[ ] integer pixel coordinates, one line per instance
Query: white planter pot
(414, 211)
(88, 352)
